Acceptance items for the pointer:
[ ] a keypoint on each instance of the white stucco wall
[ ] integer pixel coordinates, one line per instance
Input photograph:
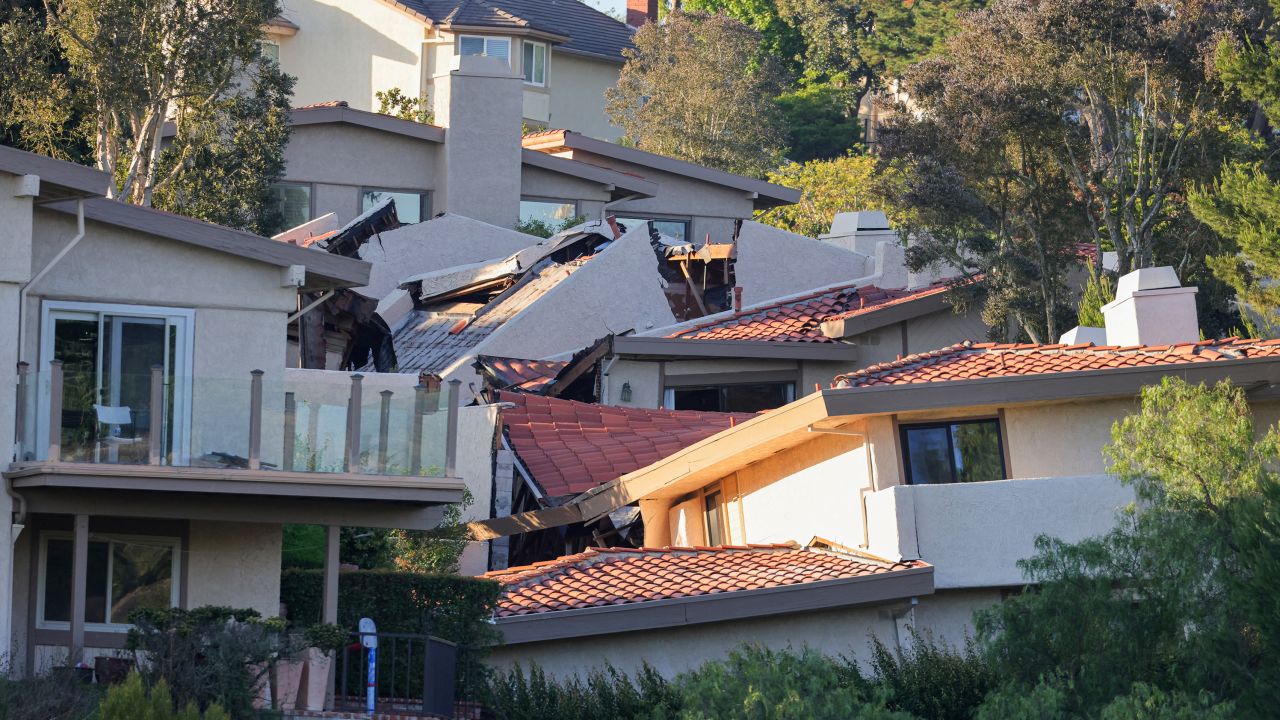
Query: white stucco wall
(234, 564)
(476, 437)
(350, 49)
(15, 269)
(845, 631)
(774, 263)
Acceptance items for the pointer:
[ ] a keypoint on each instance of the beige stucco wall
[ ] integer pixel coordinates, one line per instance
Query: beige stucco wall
(539, 183)
(234, 564)
(476, 439)
(15, 268)
(1061, 439)
(350, 49)
(845, 631)
(576, 87)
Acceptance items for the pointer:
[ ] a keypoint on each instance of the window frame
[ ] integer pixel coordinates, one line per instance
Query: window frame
(708, 492)
(175, 591)
(577, 206)
(424, 206)
(692, 382)
(904, 449)
(485, 40)
(311, 199)
(686, 221)
(546, 54)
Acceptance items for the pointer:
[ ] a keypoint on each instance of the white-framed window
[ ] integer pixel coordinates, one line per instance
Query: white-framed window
(123, 573)
(107, 352)
(535, 63)
(270, 50)
(411, 207)
(499, 47)
(294, 202)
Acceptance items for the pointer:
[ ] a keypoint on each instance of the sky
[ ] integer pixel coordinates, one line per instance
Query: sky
(618, 8)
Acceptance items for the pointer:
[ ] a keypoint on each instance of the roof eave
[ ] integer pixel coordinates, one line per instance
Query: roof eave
(879, 588)
(620, 184)
(518, 31)
(891, 314)
(373, 121)
(610, 58)
(643, 347)
(68, 179)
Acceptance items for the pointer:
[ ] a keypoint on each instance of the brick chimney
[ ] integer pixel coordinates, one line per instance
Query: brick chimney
(1152, 308)
(640, 12)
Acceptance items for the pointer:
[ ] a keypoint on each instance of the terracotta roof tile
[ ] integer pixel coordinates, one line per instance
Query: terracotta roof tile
(971, 361)
(623, 576)
(570, 447)
(800, 319)
(517, 374)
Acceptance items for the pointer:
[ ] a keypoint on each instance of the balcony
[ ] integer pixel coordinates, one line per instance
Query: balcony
(975, 533)
(384, 428)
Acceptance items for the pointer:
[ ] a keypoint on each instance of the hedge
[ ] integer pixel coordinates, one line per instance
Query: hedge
(451, 607)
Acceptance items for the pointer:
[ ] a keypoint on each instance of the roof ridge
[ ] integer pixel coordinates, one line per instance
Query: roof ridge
(525, 575)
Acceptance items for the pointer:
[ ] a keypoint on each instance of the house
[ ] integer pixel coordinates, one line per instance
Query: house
(959, 458)
(564, 52)
(159, 443)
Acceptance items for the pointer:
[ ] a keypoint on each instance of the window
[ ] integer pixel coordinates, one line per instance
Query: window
(950, 452)
(551, 213)
(294, 202)
(535, 63)
(411, 207)
(712, 503)
(499, 47)
(269, 51)
(677, 229)
(123, 574)
(107, 352)
(741, 397)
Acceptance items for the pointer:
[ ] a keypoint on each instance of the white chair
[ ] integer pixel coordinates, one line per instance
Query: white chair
(114, 417)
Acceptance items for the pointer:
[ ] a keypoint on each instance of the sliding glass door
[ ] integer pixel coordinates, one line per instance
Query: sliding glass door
(107, 353)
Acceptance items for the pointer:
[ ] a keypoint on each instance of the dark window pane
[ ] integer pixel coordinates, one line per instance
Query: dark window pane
(755, 397)
(697, 398)
(75, 343)
(928, 458)
(294, 202)
(95, 596)
(57, 581)
(677, 229)
(411, 207)
(977, 451)
(141, 577)
(715, 534)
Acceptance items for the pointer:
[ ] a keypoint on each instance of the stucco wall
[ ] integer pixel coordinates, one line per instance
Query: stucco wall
(475, 468)
(235, 564)
(543, 183)
(1063, 438)
(773, 263)
(350, 49)
(576, 85)
(845, 631)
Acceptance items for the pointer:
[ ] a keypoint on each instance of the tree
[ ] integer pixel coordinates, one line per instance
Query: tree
(396, 103)
(113, 73)
(696, 88)
(1182, 596)
(434, 552)
(845, 184)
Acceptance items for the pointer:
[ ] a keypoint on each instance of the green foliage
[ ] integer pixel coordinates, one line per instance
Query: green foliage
(395, 103)
(697, 88)
(1145, 702)
(1044, 701)
(542, 229)
(447, 606)
(56, 696)
(208, 655)
(820, 124)
(1099, 290)
(843, 184)
(608, 693)
(930, 679)
(436, 552)
(131, 700)
(302, 547)
(327, 637)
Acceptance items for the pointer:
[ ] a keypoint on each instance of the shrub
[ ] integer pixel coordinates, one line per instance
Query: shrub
(932, 680)
(1145, 702)
(1045, 701)
(58, 696)
(130, 700)
(451, 607)
(607, 693)
(208, 655)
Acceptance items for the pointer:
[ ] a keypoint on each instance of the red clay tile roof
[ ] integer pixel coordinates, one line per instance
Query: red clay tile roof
(971, 361)
(325, 104)
(570, 447)
(622, 576)
(524, 375)
(800, 319)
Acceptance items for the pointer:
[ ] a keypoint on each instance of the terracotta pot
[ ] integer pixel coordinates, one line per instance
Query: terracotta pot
(289, 677)
(314, 686)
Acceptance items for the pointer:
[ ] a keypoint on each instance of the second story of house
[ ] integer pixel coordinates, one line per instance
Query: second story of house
(565, 52)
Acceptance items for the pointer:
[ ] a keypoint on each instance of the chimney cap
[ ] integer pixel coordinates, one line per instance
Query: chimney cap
(848, 223)
(1152, 278)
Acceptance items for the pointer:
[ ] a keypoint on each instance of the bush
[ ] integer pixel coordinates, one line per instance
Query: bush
(130, 700)
(59, 696)
(451, 607)
(607, 693)
(209, 655)
(1045, 701)
(932, 680)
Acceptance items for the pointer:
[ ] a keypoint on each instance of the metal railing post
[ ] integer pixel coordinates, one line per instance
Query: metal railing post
(353, 425)
(415, 440)
(55, 411)
(20, 419)
(156, 413)
(290, 428)
(451, 433)
(255, 420)
(384, 419)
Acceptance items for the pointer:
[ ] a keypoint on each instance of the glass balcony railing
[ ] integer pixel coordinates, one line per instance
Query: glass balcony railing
(298, 420)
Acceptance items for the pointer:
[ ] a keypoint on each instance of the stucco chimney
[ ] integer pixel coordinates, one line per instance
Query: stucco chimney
(1152, 308)
(480, 103)
(640, 12)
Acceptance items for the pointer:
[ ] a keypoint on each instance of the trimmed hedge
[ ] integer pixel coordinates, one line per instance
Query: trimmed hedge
(451, 607)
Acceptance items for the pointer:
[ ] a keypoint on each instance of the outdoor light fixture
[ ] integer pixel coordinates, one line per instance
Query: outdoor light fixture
(626, 392)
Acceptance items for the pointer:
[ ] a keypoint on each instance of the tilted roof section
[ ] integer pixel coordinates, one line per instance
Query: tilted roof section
(588, 31)
(570, 447)
(58, 178)
(337, 111)
(973, 361)
(517, 374)
(767, 194)
(803, 318)
(625, 576)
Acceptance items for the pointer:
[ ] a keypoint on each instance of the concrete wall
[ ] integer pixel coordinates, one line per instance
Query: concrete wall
(773, 263)
(235, 564)
(576, 86)
(476, 438)
(974, 534)
(844, 631)
(350, 49)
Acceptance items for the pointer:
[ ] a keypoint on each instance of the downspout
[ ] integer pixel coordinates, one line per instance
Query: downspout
(26, 287)
(605, 367)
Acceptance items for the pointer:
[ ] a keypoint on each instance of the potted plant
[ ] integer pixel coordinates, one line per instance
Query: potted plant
(323, 641)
